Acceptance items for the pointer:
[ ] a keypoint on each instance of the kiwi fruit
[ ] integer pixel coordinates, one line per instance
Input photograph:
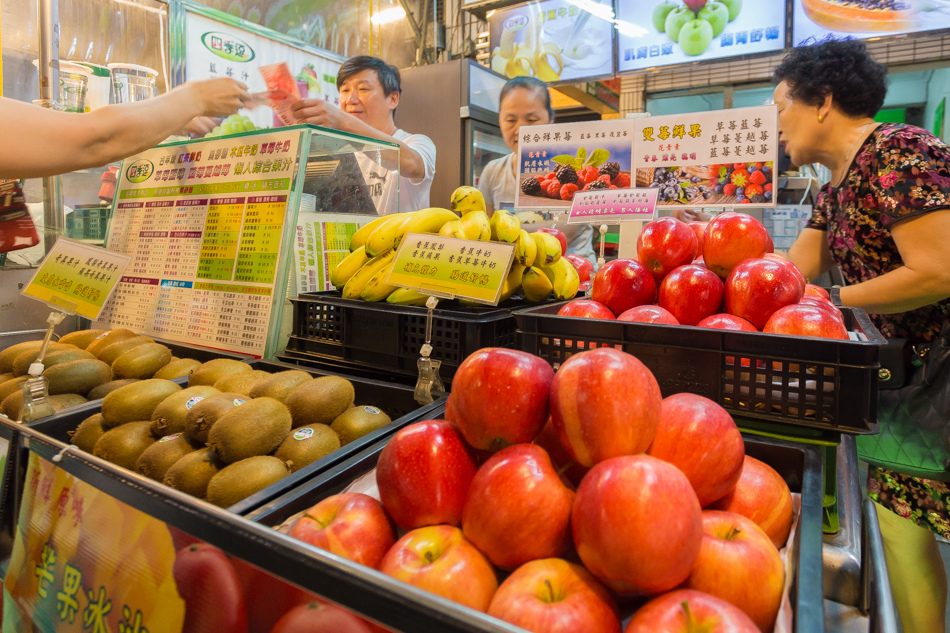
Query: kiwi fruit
(241, 382)
(155, 460)
(191, 473)
(112, 336)
(142, 361)
(245, 477)
(64, 356)
(356, 422)
(124, 444)
(169, 415)
(12, 404)
(307, 444)
(111, 352)
(21, 364)
(177, 368)
(136, 401)
(205, 414)
(216, 369)
(255, 428)
(278, 386)
(105, 389)
(77, 376)
(81, 338)
(9, 386)
(320, 400)
(8, 355)
(87, 433)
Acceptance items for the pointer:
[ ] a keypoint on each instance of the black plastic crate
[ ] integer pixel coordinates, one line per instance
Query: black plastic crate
(350, 369)
(820, 383)
(388, 337)
(396, 400)
(798, 464)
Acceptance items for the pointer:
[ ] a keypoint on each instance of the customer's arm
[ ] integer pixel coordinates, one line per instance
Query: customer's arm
(810, 253)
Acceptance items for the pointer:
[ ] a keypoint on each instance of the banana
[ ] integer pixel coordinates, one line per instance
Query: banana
(536, 285)
(407, 297)
(384, 237)
(453, 228)
(425, 221)
(549, 248)
(527, 249)
(505, 226)
(377, 288)
(564, 279)
(348, 267)
(512, 282)
(476, 227)
(359, 238)
(354, 286)
(466, 199)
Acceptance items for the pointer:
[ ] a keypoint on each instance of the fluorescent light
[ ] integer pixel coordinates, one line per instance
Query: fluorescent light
(388, 15)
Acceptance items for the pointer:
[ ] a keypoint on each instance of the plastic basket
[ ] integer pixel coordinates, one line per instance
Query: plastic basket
(387, 337)
(820, 383)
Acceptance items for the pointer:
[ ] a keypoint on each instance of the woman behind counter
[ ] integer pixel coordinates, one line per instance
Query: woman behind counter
(884, 219)
(525, 101)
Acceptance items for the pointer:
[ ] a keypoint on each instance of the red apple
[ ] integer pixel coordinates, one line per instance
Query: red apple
(727, 322)
(732, 238)
(587, 309)
(770, 247)
(584, 268)
(318, 617)
(350, 525)
(763, 496)
(738, 563)
(649, 314)
(558, 233)
(812, 289)
(501, 397)
(699, 261)
(424, 473)
(691, 293)
(623, 284)
(637, 524)
(792, 267)
(555, 596)
(804, 319)
(756, 288)
(571, 472)
(665, 244)
(517, 508)
(604, 403)
(824, 304)
(440, 560)
(699, 228)
(700, 438)
(449, 414)
(282, 596)
(689, 611)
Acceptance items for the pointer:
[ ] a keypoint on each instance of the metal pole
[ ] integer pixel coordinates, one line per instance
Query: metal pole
(48, 20)
(435, 31)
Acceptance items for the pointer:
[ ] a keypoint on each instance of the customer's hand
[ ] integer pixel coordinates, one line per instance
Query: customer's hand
(692, 215)
(220, 97)
(200, 126)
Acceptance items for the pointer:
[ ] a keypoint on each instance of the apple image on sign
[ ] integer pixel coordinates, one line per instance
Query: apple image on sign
(660, 12)
(734, 7)
(717, 14)
(675, 21)
(695, 36)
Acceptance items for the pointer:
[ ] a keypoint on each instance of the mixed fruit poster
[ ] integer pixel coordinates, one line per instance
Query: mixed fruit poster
(866, 18)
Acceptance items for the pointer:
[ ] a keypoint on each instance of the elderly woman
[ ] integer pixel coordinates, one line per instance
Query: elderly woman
(884, 219)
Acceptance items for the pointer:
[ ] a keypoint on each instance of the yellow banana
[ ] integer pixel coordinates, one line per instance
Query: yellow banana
(505, 226)
(359, 238)
(564, 279)
(527, 249)
(384, 237)
(476, 227)
(536, 285)
(377, 288)
(549, 248)
(466, 199)
(354, 286)
(407, 297)
(512, 282)
(453, 228)
(348, 267)
(425, 221)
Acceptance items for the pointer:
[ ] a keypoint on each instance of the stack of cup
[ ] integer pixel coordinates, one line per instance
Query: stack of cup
(73, 83)
(131, 82)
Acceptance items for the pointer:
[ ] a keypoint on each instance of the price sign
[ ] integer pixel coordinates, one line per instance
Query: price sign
(612, 206)
(449, 267)
(77, 278)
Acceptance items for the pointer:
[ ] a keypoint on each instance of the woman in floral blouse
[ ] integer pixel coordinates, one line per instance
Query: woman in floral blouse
(884, 219)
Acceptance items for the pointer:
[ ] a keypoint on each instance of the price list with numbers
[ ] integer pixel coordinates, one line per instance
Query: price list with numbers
(204, 223)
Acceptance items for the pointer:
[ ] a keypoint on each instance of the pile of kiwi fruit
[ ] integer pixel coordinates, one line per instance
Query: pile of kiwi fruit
(232, 432)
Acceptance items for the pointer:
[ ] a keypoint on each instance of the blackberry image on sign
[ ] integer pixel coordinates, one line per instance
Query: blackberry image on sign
(566, 174)
(597, 184)
(610, 169)
(531, 187)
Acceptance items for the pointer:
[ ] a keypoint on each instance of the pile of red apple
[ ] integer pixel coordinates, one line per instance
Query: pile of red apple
(721, 274)
(582, 490)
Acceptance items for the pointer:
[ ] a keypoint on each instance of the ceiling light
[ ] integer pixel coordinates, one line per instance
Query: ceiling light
(388, 15)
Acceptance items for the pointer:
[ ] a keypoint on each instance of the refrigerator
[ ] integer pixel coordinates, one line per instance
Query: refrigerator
(455, 104)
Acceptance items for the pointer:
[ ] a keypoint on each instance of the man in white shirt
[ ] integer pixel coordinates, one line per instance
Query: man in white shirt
(369, 93)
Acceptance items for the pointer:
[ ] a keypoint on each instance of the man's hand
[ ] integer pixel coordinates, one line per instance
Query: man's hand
(199, 126)
(322, 113)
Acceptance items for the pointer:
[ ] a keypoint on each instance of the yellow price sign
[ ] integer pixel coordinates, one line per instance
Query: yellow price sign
(449, 267)
(77, 278)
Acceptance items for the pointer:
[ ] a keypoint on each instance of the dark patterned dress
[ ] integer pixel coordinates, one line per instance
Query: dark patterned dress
(900, 172)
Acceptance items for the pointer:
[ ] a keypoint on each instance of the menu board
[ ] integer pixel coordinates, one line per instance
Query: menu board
(665, 32)
(871, 18)
(553, 40)
(205, 224)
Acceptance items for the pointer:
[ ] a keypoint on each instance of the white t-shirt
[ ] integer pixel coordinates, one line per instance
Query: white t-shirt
(413, 194)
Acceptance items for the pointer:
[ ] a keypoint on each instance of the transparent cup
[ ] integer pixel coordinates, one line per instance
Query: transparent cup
(131, 82)
(72, 91)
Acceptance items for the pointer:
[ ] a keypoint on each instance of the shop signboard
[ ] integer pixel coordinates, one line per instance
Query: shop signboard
(554, 40)
(207, 225)
(666, 32)
(814, 20)
(613, 206)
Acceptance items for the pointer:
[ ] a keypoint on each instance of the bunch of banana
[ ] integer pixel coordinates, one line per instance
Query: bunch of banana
(534, 57)
(560, 278)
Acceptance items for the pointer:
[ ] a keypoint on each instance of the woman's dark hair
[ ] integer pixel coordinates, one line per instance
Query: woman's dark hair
(841, 68)
(388, 75)
(534, 85)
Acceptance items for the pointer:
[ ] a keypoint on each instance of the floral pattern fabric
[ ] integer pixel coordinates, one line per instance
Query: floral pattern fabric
(923, 501)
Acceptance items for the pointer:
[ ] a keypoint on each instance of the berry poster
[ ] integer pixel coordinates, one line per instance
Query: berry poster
(719, 158)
